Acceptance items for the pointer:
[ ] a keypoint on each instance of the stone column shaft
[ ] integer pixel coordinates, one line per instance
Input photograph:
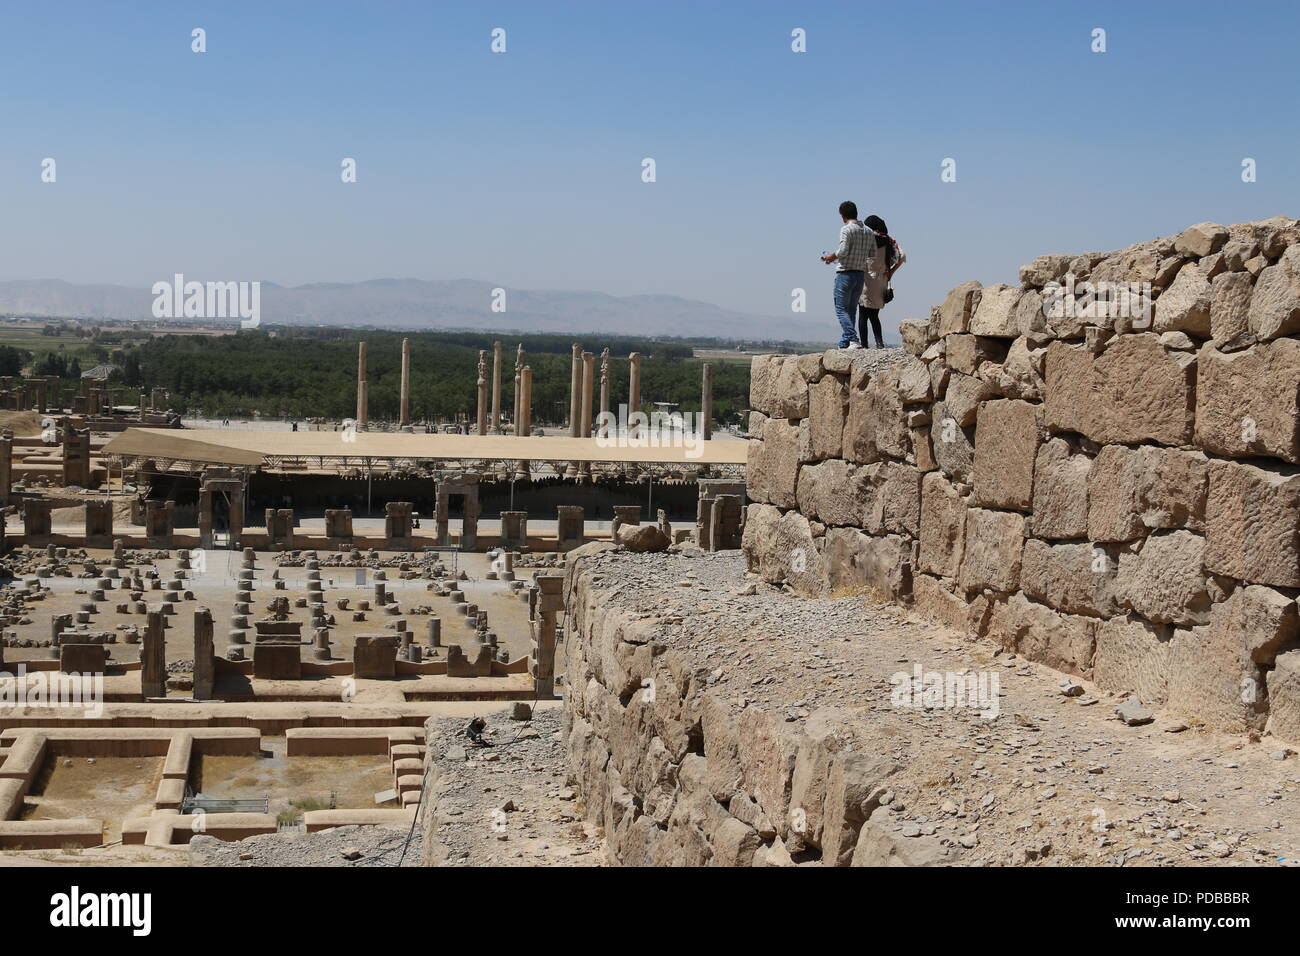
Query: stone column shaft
(706, 400)
(363, 398)
(496, 386)
(404, 418)
(633, 389)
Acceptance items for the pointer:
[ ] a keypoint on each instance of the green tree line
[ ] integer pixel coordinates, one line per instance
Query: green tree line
(302, 373)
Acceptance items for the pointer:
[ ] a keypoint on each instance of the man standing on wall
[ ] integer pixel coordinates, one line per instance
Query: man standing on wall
(857, 246)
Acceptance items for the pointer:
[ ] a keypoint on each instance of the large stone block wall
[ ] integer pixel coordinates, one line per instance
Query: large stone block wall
(1115, 495)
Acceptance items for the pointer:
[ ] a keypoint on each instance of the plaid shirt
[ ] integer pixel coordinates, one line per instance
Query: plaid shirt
(857, 246)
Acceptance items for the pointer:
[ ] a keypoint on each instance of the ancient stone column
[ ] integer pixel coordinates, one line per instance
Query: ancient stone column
(526, 406)
(204, 670)
(575, 389)
(519, 385)
(549, 604)
(633, 390)
(706, 400)
(363, 398)
(524, 425)
(153, 657)
(404, 417)
(575, 401)
(584, 412)
(482, 392)
(604, 381)
(496, 387)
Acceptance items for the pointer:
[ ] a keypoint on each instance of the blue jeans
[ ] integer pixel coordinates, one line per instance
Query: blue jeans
(848, 289)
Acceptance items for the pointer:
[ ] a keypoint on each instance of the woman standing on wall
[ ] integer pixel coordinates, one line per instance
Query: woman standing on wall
(876, 291)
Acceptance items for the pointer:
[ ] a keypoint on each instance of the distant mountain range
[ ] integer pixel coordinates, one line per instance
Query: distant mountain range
(439, 304)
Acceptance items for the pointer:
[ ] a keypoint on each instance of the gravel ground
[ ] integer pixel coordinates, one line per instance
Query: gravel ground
(508, 804)
(377, 846)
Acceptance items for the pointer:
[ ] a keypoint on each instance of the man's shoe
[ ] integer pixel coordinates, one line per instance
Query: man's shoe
(854, 345)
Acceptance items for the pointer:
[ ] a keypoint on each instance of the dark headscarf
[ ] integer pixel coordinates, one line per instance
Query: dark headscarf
(877, 225)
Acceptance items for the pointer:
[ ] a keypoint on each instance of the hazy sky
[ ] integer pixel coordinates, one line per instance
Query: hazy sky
(524, 168)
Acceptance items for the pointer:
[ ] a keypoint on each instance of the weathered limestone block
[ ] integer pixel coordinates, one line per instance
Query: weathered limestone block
(766, 747)
(1063, 641)
(1274, 234)
(881, 843)
(1133, 490)
(757, 476)
(643, 538)
(858, 563)
(1045, 269)
(1248, 402)
(1202, 239)
(1284, 697)
(1060, 505)
(763, 371)
(1238, 250)
(992, 552)
(922, 450)
(1165, 581)
(1146, 393)
(1230, 295)
(773, 472)
(1075, 578)
(835, 492)
(827, 402)
(1030, 318)
(1069, 404)
(964, 395)
(966, 352)
(957, 309)
(996, 312)
(1006, 447)
(894, 504)
(824, 736)
(1185, 305)
(876, 426)
(1217, 671)
(1135, 392)
(1020, 375)
(1275, 303)
(1133, 658)
(790, 390)
(915, 334)
(953, 446)
(852, 795)
(913, 380)
(734, 844)
(723, 774)
(943, 524)
(937, 599)
(781, 549)
(1251, 524)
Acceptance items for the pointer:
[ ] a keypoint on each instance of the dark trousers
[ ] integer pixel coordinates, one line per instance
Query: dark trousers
(866, 315)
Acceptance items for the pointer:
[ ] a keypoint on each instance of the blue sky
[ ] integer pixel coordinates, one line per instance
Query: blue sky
(524, 168)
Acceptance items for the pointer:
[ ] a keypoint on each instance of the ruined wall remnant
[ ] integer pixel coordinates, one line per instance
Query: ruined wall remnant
(1096, 469)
